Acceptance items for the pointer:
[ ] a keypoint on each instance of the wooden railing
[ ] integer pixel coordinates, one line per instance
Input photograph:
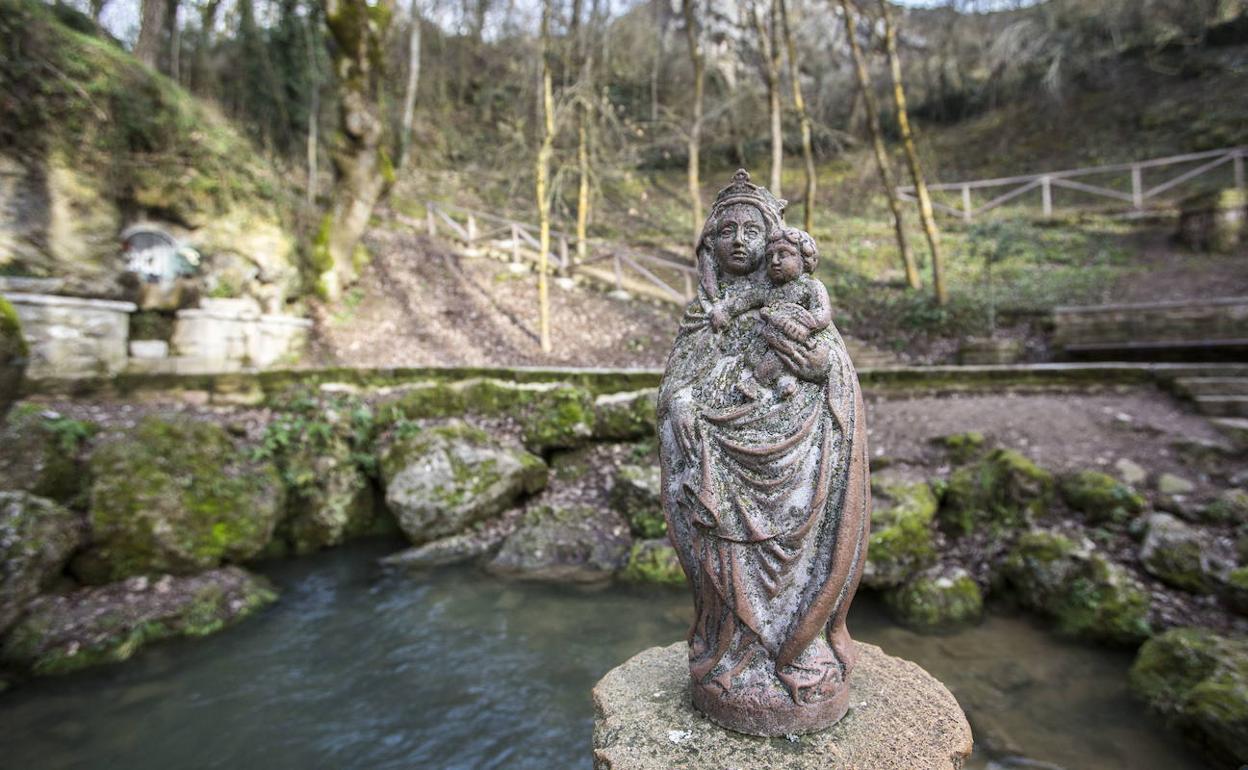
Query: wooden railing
(1138, 197)
(664, 277)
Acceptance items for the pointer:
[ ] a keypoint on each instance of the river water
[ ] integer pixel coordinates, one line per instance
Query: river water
(455, 669)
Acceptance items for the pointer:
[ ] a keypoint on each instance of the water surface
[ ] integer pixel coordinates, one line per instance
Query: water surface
(454, 669)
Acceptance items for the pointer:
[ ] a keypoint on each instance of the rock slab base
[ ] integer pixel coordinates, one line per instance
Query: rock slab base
(900, 718)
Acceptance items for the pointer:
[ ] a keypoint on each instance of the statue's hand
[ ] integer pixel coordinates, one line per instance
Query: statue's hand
(809, 361)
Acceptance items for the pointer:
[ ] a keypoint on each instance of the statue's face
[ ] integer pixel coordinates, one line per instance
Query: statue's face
(783, 263)
(740, 239)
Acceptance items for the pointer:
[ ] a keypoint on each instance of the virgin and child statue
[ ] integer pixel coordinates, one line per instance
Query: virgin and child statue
(765, 482)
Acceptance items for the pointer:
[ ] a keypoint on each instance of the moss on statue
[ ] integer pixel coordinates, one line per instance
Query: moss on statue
(1001, 492)
(1102, 497)
(177, 496)
(1088, 596)
(1198, 681)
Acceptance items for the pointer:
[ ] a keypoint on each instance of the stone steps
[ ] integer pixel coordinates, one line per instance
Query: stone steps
(1222, 406)
(1235, 428)
(1193, 387)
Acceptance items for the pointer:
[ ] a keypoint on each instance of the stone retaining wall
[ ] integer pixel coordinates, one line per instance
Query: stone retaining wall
(71, 337)
(1155, 327)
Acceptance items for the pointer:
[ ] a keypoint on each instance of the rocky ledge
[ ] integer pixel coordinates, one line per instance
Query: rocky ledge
(900, 718)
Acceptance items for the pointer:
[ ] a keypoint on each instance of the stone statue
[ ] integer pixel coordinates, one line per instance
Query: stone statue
(766, 493)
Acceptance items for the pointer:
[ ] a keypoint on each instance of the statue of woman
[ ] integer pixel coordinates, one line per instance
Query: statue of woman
(767, 500)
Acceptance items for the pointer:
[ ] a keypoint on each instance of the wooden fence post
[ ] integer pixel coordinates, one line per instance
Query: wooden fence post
(515, 242)
(472, 230)
(618, 275)
(1046, 197)
(431, 221)
(1137, 186)
(966, 203)
(1239, 169)
(563, 252)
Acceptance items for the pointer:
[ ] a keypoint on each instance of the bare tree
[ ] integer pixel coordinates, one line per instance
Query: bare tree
(582, 57)
(413, 79)
(693, 34)
(768, 46)
(358, 31)
(912, 155)
(877, 142)
(151, 31)
(543, 181)
(799, 103)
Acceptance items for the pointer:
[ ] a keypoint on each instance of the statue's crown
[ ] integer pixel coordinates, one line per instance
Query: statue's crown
(742, 190)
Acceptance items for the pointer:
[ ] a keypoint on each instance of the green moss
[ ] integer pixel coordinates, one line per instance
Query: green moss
(636, 494)
(936, 602)
(1003, 491)
(625, 416)
(12, 344)
(1198, 681)
(1231, 507)
(1102, 497)
(901, 537)
(962, 447)
(653, 561)
(1084, 593)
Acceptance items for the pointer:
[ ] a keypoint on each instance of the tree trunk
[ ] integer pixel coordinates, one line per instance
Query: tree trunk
(584, 115)
(151, 31)
(912, 156)
(201, 76)
(543, 182)
(767, 44)
(173, 37)
(364, 173)
(314, 111)
(694, 37)
(799, 103)
(877, 142)
(409, 94)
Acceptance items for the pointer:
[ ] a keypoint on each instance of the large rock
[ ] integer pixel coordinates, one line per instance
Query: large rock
(901, 533)
(635, 493)
(1100, 496)
(444, 551)
(329, 498)
(1002, 491)
(625, 416)
(37, 537)
(654, 561)
(1180, 554)
(551, 415)
(937, 600)
(901, 719)
(1198, 681)
(176, 496)
(577, 544)
(41, 453)
(110, 623)
(1086, 594)
(13, 354)
(440, 481)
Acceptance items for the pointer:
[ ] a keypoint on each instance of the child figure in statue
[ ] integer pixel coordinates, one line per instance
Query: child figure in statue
(795, 305)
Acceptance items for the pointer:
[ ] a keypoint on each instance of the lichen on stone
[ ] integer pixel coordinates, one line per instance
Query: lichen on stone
(936, 600)
(635, 494)
(653, 561)
(1001, 492)
(1102, 497)
(901, 541)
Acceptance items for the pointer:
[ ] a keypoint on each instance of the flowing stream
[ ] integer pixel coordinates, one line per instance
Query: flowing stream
(455, 669)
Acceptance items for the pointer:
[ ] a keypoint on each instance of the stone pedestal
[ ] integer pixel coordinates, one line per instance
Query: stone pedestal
(73, 337)
(900, 718)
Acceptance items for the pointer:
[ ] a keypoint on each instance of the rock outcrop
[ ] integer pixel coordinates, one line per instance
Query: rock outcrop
(37, 537)
(901, 533)
(576, 544)
(1003, 491)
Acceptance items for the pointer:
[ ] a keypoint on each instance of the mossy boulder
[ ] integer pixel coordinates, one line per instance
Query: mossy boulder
(1234, 590)
(441, 480)
(575, 544)
(1088, 595)
(37, 537)
(625, 416)
(654, 561)
(551, 415)
(1000, 492)
(176, 496)
(1100, 496)
(962, 447)
(329, 496)
(901, 533)
(1198, 681)
(41, 452)
(448, 550)
(1179, 554)
(1230, 507)
(107, 624)
(939, 599)
(635, 494)
(13, 355)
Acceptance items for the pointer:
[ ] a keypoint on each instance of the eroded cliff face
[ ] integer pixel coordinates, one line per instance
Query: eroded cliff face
(94, 142)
